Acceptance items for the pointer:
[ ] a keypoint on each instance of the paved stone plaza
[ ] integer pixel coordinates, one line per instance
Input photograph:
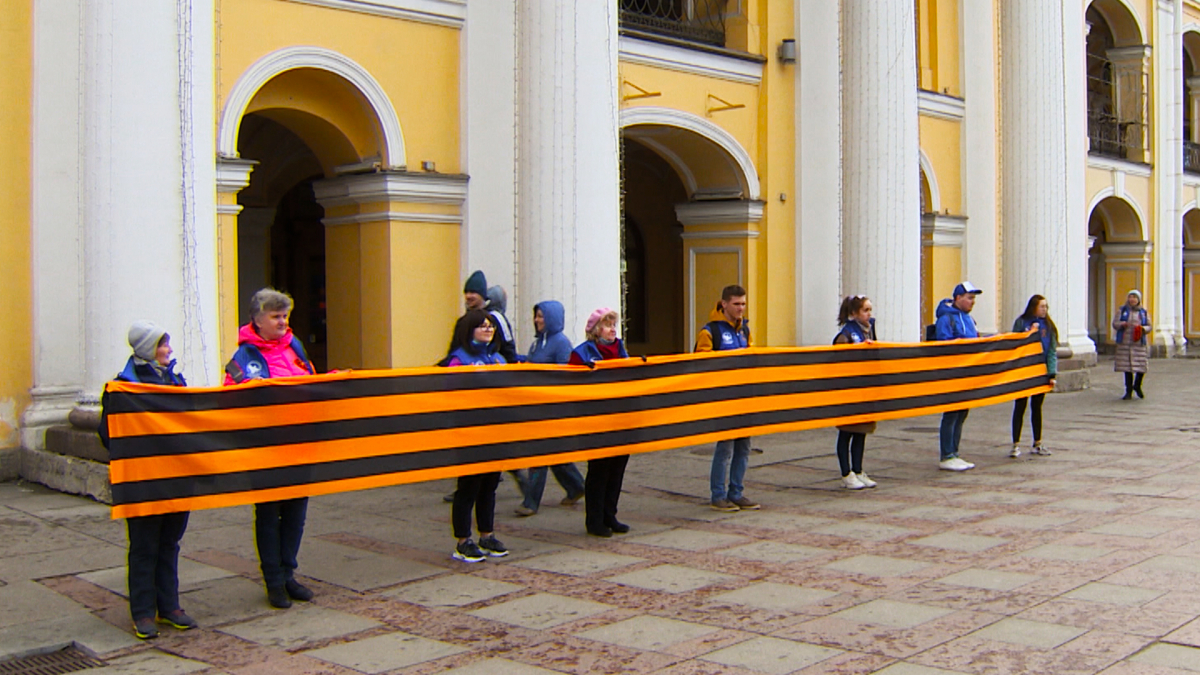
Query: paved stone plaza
(1087, 561)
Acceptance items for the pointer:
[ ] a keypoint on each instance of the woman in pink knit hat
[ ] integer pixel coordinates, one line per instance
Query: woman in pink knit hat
(602, 487)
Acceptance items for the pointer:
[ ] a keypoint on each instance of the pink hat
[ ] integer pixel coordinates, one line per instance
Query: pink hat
(596, 317)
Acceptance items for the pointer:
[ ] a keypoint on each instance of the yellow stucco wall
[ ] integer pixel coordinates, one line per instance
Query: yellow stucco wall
(938, 57)
(941, 141)
(16, 331)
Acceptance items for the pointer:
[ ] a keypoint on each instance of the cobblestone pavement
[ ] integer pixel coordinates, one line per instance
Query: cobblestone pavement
(1087, 561)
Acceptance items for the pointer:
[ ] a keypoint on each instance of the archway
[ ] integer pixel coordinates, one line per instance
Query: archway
(691, 204)
(1191, 99)
(1117, 60)
(1118, 260)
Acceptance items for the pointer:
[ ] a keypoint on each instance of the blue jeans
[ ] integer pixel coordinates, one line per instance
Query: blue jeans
(567, 476)
(278, 528)
(734, 454)
(951, 432)
(154, 564)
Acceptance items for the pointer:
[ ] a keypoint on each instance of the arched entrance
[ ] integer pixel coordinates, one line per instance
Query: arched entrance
(1118, 261)
(691, 215)
(1117, 61)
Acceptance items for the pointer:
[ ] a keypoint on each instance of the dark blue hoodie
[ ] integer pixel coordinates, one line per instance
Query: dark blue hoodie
(551, 346)
(953, 323)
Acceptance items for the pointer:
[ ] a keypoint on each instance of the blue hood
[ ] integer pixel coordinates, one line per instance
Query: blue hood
(497, 299)
(953, 323)
(553, 313)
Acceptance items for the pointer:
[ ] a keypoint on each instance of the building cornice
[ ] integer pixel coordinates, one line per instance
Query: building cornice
(1127, 251)
(682, 59)
(452, 13)
(942, 106)
(713, 213)
(943, 230)
(233, 175)
(1114, 164)
(392, 186)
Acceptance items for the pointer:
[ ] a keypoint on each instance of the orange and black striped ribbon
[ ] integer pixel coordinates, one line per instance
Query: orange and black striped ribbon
(181, 449)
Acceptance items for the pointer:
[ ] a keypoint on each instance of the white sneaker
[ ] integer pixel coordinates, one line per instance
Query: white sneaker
(866, 480)
(954, 464)
(970, 465)
(1015, 452)
(1040, 450)
(851, 482)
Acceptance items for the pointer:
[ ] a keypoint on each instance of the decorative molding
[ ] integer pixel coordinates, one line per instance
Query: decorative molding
(942, 106)
(712, 213)
(1114, 164)
(943, 230)
(1191, 179)
(681, 59)
(935, 193)
(452, 13)
(721, 234)
(1127, 252)
(1129, 57)
(652, 115)
(233, 175)
(1191, 257)
(418, 188)
(1128, 199)
(393, 216)
(228, 209)
(291, 58)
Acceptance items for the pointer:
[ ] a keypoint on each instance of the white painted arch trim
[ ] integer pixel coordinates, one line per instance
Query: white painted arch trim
(935, 194)
(305, 56)
(682, 120)
(1137, 208)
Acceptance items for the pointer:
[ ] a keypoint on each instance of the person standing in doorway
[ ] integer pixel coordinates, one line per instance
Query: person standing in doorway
(1133, 351)
(857, 327)
(726, 330)
(954, 322)
(1036, 317)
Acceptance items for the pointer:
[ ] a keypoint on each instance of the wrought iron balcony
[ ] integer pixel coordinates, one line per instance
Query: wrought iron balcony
(1117, 110)
(1191, 157)
(701, 21)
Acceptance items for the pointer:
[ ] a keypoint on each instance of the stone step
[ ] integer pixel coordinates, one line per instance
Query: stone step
(1072, 380)
(1073, 364)
(66, 474)
(73, 442)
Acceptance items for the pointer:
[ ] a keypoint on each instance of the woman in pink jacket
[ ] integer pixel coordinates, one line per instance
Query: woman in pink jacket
(267, 348)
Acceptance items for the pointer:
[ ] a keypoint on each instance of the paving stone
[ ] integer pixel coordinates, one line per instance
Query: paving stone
(774, 596)
(954, 541)
(992, 580)
(1026, 522)
(1113, 594)
(649, 633)
(382, 653)
(81, 628)
(864, 531)
(148, 663)
(892, 614)
(876, 566)
(228, 600)
(1088, 505)
(777, 552)
(671, 578)
(914, 669)
(579, 563)
(994, 498)
(1066, 552)
(452, 590)
(299, 625)
(26, 601)
(786, 522)
(1170, 656)
(24, 533)
(97, 555)
(687, 540)
(541, 611)
(499, 667)
(1037, 634)
(860, 504)
(775, 656)
(944, 514)
(192, 575)
(1138, 529)
(1183, 512)
(1143, 490)
(357, 569)
(1171, 563)
(1108, 472)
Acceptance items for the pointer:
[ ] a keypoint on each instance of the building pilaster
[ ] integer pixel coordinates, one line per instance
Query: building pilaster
(1168, 177)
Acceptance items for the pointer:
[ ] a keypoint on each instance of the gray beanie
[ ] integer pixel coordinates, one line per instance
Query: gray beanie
(144, 337)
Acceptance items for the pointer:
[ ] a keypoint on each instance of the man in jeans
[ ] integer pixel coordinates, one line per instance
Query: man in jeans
(954, 322)
(727, 330)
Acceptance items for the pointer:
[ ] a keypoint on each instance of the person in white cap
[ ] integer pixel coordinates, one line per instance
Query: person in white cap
(954, 322)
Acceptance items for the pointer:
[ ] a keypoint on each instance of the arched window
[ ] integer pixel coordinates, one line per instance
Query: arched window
(1116, 82)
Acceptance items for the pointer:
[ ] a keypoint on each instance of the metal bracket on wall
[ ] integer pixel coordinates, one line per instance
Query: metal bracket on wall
(642, 93)
(709, 108)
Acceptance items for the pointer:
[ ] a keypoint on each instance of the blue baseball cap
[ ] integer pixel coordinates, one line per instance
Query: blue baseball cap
(965, 288)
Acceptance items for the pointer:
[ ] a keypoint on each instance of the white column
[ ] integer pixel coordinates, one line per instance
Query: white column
(881, 233)
(980, 161)
(1034, 185)
(1167, 126)
(55, 218)
(568, 201)
(818, 115)
(133, 202)
(1074, 40)
(489, 105)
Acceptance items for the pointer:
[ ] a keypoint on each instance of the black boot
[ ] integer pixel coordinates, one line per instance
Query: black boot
(1137, 385)
(1128, 387)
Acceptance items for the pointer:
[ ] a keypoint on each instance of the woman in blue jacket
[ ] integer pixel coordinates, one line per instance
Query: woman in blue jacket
(550, 346)
(1035, 317)
(857, 327)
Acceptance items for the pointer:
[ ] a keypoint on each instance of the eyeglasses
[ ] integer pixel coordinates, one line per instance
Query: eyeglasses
(487, 326)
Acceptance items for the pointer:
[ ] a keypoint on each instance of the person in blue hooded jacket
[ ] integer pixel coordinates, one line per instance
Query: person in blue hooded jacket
(550, 346)
(954, 322)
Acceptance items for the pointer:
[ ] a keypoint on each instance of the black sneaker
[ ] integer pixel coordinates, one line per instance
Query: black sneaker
(278, 597)
(492, 546)
(145, 629)
(178, 619)
(297, 590)
(467, 551)
(617, 526)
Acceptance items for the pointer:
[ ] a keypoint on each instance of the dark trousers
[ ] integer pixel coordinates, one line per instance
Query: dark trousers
(1133, 381)
(475, 493)
(154, 564)
(566, 474)
(602, 490)
(850, 446)
(1035, 414)
(278, 528)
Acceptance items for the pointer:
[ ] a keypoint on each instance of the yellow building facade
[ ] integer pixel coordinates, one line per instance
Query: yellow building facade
(367, 155)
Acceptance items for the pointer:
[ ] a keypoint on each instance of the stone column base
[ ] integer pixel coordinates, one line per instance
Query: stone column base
(66, 474)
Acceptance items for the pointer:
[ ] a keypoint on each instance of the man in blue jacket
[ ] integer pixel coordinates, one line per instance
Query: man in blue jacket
(954, 322)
